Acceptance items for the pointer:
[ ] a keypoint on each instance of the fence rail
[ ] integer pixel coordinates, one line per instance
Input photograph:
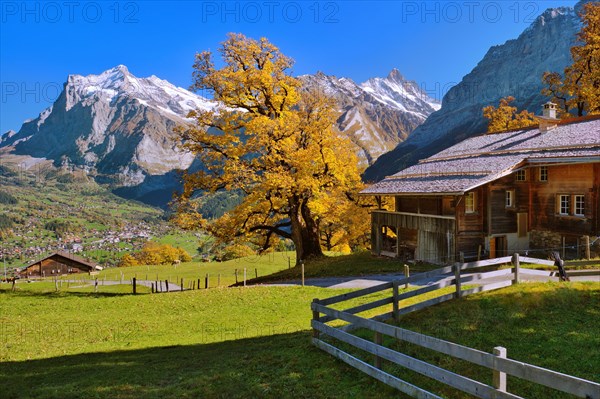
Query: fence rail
(498, 363)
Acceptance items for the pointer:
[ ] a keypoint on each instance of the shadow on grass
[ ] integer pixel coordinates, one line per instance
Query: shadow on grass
(278, 366)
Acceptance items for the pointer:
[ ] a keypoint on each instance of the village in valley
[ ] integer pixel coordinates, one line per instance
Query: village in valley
(271, 231)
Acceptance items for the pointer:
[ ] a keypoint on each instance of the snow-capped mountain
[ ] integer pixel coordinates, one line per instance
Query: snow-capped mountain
(514, 68)
(377, 114)
(117, 127)
(401, 94)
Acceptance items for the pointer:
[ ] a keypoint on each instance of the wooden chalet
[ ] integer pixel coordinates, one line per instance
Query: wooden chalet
(58, 263)
(494, 194)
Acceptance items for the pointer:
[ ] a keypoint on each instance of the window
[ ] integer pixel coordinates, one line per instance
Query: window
(579, 202)
(564, 204)
(543, 173)
(521, 175)
(470, 203)
(510, 198)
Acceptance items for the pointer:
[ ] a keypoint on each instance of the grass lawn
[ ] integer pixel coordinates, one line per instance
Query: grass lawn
(254, 341)
(229, 343)
(263, 265)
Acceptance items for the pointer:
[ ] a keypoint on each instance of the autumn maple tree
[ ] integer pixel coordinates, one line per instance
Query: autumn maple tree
(271, 140)
(579, 88)
(505, 116)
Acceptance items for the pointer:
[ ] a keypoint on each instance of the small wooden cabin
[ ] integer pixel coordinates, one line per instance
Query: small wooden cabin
(57, 264)
(493, 195)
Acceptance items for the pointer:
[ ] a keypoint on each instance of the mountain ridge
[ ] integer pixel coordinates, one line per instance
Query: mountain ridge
(513, 68)
(118, 128)
(377, 114)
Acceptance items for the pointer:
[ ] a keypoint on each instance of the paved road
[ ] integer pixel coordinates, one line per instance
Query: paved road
(372, 280)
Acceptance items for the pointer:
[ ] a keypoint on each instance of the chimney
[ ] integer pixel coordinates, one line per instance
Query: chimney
(548, 120)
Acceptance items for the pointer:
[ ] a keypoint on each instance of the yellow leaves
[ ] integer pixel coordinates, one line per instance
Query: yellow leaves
(580, 88)
(505, 117)
(155, 254)
(273, 142)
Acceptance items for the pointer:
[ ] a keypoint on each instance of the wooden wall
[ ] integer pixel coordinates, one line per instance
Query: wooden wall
(572, 180)
(471, 226)
(534, 205)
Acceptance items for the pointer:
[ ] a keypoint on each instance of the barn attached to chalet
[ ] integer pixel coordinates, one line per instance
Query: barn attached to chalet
(494, 194)
(58, 263)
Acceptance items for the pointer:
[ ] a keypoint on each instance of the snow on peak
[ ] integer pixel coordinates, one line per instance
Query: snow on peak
(157, 93)
(397, 92)
(43, 115)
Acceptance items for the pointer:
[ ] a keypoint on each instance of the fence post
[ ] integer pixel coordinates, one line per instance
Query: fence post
(152, 287)
(499, 378)
(458, 293)
(134, 283)
(244, 276)
(207, 281)
(586, 243)
(316, 316)
(181, 284)
(167, 285)
(378, 340)
(255, 272)
(516, 263)
(395, 304)
(302, 264)
(236, 279)
(406, 275)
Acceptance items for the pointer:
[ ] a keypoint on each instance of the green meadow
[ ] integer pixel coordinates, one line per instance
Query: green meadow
(255, 341)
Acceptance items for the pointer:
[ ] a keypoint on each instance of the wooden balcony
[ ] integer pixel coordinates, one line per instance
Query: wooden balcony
(423, 222)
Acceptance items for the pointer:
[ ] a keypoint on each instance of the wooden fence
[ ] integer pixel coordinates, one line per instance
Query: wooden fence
(499, 365)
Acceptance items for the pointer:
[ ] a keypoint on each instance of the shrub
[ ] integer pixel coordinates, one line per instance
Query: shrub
(6, 198)
(156, 254)
(235, 251)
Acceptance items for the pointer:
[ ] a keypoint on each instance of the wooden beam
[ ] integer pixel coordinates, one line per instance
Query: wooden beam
(559, 381)
(388, 379)
(465, 384)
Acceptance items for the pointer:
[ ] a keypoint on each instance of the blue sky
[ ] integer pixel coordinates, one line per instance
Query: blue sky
(434, 43)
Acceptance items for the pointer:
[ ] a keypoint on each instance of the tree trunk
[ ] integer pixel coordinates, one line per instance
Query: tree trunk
(305, 232)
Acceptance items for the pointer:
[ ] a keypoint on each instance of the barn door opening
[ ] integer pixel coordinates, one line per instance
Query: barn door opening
(501, 246)
(498, 247)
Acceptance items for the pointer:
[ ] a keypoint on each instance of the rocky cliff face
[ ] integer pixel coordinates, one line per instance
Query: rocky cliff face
(377, 114)
(514, 68)
(117, 127)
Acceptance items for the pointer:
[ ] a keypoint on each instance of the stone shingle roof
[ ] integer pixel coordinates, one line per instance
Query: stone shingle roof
(479, 160)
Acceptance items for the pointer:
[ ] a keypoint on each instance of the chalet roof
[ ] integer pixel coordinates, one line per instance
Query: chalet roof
(65, 255)
(482, 159)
